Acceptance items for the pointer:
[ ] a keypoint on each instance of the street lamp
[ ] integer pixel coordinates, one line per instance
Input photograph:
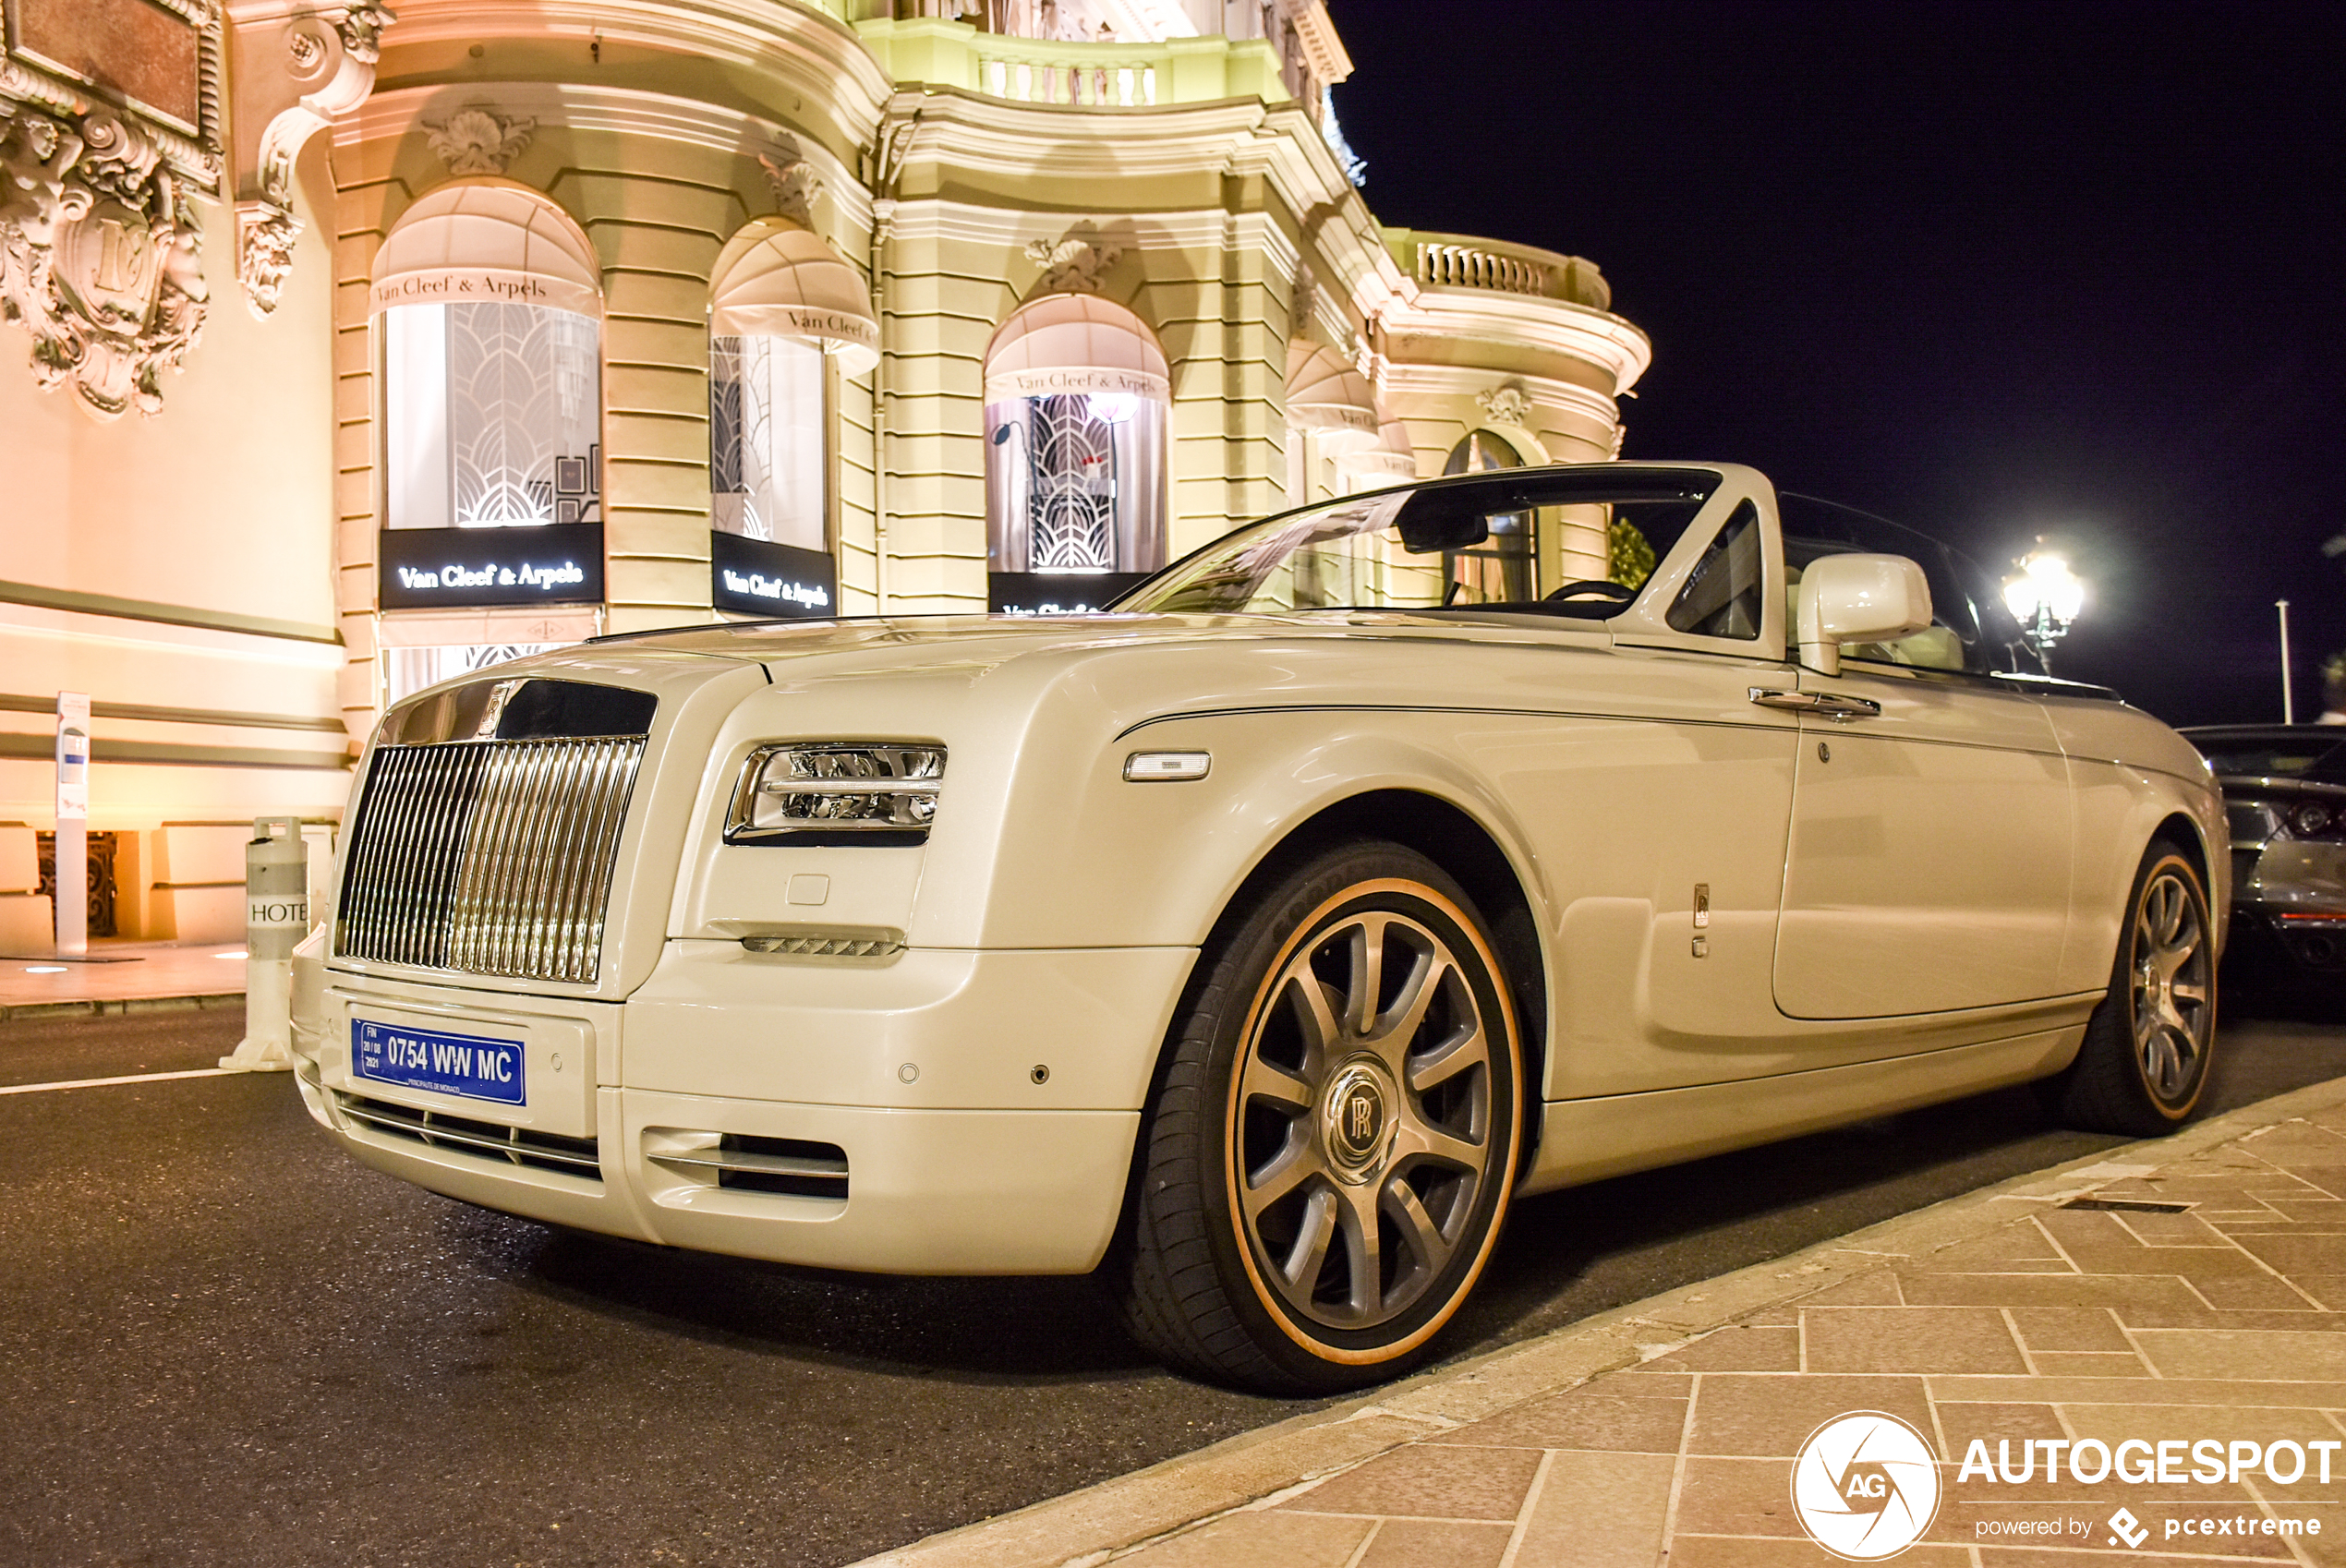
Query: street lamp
(2044, 596)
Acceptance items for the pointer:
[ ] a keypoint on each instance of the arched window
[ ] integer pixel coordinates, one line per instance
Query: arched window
(1502, 566)
(489, 313)
(1076, 398)
(783, 307)
(491, 332)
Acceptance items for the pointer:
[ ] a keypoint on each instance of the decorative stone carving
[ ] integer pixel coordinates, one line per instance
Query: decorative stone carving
(265, 236)
(1073, 265)
(361, 29)
(478, 141)
(299, 65)
(796, 184)
(99, 259)
(1509, 403)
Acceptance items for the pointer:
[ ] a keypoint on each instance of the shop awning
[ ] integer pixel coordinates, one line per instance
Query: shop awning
(1391, 458)
(1067, 344)
(775, 279)
(479, 241)
(1325, 394)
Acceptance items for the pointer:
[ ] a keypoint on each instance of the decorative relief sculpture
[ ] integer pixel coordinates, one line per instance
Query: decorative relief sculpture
(1074, 264)
(796, 184)
(265, 236)
(479, 141)
(99, 258)
(1509, 403)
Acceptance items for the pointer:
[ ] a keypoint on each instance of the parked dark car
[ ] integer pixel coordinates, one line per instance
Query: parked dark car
(2285, 796)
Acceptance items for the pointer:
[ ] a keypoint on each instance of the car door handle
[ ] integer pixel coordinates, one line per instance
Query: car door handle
(1824, 705)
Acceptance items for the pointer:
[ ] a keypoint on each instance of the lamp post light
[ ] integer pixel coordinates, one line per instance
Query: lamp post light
(2044, 596)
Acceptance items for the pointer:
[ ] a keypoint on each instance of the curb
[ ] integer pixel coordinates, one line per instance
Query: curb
(1084, 1528)
(18, 1012)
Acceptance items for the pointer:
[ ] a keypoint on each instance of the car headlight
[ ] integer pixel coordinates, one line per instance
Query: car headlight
(837, 792)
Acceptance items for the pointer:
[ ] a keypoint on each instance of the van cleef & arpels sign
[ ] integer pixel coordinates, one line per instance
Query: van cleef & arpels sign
(109, 130)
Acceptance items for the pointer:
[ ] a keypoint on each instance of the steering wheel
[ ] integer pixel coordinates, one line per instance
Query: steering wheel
(1596, 587)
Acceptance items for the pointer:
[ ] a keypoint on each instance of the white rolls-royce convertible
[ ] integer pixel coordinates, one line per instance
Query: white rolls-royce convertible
(1256, 943)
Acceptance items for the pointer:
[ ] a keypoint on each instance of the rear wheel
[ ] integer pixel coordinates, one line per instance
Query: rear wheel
(1334, 1143)
(2149, 1046)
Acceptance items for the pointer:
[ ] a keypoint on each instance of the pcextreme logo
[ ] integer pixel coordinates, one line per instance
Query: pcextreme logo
(1866, 1485)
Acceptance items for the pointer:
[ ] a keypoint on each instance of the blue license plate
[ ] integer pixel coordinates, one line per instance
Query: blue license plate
(468, 1064)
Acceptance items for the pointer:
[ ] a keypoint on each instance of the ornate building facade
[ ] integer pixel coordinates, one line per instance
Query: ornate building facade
(418, 342)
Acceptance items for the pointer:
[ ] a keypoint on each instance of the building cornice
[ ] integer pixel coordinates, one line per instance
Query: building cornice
(402, 112)
(1464, 381)
(1579, 331)
(1189, 229)
(800, 49)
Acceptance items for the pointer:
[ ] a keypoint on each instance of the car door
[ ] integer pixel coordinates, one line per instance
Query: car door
(1662, 801)
(1928, 867)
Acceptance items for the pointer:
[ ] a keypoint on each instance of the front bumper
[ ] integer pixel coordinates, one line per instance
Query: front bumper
(920, 1076)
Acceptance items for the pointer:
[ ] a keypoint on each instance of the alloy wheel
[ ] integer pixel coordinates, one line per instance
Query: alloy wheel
(1362, 1109)
(2172, 1014)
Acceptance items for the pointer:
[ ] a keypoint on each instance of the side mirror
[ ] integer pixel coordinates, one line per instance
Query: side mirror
(1858, 598)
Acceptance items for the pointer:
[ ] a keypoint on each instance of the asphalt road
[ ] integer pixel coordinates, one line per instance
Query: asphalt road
(223, 1343)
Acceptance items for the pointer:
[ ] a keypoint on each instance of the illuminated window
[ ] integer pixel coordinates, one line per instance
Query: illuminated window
(1501, 567)
(767, 462)
(491, 416)
(1075, 419)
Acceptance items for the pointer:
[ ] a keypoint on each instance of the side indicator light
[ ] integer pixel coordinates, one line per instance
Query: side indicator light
(1154, 768)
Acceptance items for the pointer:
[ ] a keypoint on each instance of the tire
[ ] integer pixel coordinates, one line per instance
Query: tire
(2150, 1042)
(1322, 1180)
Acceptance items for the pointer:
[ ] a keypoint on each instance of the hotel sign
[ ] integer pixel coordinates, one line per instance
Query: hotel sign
(463, 568)
(758, 577)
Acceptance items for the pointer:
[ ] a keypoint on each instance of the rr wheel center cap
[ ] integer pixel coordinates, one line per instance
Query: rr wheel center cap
(1357, 1120)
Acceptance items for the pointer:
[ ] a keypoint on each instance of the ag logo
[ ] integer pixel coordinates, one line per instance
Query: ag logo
(1866, 1485)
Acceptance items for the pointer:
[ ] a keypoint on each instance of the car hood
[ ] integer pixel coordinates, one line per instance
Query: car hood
(967, 641)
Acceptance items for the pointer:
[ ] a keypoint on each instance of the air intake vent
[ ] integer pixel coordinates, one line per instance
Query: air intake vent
(542, 1151)
(741, 1160)
(488, 857)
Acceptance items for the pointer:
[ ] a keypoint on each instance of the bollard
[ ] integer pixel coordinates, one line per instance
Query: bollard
(276, 917)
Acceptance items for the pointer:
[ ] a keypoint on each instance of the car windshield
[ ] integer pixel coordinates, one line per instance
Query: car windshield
(2321, 758)
(1474, 544)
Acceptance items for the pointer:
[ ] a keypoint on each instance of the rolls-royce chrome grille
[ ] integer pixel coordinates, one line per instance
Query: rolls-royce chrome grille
(488, 857)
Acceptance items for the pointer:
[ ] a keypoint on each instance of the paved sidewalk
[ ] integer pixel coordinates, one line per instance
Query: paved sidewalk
(2188, 1290)
(197, 973)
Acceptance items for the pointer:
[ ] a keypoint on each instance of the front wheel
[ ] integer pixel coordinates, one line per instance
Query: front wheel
(2149, 1046)
(1334, 1142)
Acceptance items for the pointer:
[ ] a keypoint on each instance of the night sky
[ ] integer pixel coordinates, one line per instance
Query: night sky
(2066, 269)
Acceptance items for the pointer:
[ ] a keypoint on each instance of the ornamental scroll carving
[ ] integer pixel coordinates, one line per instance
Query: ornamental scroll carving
(1073, 265)
(297, 67)
(98, 255)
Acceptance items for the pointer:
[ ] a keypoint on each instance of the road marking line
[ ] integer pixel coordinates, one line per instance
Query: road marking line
(101, 1083)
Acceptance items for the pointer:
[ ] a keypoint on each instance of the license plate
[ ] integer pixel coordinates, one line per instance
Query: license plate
(469, 1064)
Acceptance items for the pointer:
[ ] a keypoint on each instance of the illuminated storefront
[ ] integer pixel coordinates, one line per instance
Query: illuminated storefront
(523, 329)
